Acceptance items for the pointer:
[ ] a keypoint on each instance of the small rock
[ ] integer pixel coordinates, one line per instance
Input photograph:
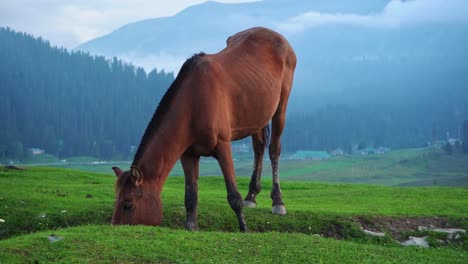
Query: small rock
(454, 236)
(53, 238)
(452, 233)
(372, 233)
(42, 216)
(442, 230)
(416, 241)
(449, 230)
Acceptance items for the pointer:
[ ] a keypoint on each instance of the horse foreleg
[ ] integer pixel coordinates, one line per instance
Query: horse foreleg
(224, 156)
(258, 144)
(190, 165)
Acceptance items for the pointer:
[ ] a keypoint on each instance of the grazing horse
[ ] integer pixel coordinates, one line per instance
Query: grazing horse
(215, 99)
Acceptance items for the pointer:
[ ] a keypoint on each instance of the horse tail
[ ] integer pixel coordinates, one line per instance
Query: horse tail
(266, 134)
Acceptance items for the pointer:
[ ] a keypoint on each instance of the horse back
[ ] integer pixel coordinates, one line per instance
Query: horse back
(246, 82)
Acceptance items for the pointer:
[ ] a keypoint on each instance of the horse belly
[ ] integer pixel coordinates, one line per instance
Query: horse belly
(251, 111)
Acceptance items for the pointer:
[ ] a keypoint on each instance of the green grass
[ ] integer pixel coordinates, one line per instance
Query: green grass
(409, 167)
(77, 206)
(35, 199)
(105, 244)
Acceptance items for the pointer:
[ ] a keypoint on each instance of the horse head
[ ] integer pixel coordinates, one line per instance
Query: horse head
(137, 203)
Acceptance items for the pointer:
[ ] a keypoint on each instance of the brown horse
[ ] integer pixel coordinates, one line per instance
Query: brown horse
(214, 100)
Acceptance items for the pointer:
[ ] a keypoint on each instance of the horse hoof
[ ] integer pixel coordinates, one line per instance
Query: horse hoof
(191, 226)
(278, 209)
(249, 204)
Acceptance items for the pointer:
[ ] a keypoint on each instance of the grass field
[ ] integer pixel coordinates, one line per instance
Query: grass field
(105, 244)
(322, 224)
(409, 167)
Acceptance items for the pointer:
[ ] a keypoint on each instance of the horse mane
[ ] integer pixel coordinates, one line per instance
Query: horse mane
(164, 104)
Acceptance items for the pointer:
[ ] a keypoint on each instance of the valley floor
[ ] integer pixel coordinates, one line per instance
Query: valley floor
(61, 215)
(407, 167)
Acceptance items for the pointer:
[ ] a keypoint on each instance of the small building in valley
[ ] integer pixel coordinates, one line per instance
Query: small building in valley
(36, 151)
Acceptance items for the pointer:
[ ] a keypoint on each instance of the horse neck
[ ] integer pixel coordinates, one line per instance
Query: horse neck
(166, 146)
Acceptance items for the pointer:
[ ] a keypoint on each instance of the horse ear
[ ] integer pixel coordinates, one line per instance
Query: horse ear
(137, 174)
(117, 171)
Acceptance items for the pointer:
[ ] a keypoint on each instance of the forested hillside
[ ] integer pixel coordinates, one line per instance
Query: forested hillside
(70, 103)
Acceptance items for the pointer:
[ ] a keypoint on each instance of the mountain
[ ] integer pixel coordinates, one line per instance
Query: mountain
(206, 27)
(397, 69)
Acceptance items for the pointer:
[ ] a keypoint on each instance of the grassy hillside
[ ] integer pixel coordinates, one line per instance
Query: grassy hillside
(48, 199)
(105, 244)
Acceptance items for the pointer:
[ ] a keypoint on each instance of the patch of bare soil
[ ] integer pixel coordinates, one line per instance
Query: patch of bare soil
(399, 227)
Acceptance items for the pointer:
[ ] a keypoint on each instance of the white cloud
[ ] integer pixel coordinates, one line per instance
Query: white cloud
(314, 19)
(397, 13)
(70, 23)
(162, 60)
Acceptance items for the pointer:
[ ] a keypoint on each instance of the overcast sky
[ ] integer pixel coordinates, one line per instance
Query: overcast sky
(395, 14)
(72, 22)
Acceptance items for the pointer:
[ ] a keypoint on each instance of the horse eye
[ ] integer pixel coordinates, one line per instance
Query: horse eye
(128, 206)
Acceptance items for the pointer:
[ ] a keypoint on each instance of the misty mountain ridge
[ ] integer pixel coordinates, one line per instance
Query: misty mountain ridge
(329, 37)
(205, 27)
(388, 55)
(166, 42)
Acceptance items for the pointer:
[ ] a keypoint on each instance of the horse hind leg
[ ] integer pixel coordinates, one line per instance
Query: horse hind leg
(259, 141)
(277, 127)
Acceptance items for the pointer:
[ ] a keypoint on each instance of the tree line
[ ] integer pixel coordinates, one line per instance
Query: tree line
(70, 103)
